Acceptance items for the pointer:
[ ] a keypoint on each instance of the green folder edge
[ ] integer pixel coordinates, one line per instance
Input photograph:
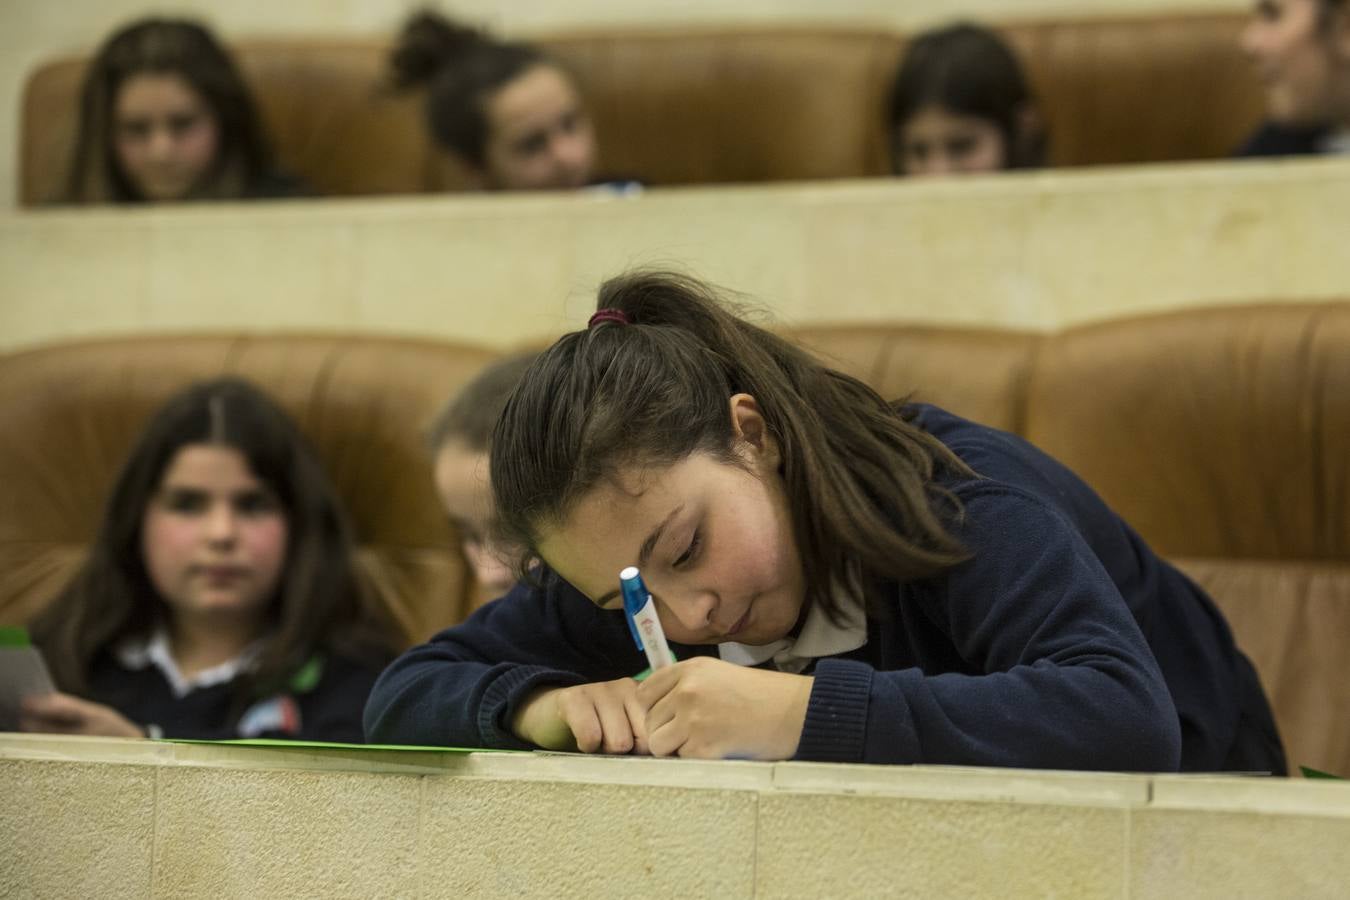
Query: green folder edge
(12, 636)
(1313, 773)
(328, 745)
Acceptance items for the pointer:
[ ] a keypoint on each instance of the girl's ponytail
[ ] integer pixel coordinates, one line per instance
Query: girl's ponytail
(428, 42)
(461, 68)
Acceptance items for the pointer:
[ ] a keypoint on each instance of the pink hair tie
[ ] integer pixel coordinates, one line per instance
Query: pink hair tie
(609, 314)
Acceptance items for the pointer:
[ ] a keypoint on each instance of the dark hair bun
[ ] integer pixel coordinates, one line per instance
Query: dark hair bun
(426, 42)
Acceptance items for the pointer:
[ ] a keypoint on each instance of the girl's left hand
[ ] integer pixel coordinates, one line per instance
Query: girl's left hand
(711, 709)
(58, 713)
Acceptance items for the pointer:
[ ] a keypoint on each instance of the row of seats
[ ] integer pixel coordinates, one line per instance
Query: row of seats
(720, 105)
(1219, 433)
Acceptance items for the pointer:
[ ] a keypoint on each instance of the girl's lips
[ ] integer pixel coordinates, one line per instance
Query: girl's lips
(222, 573)
(740, 623)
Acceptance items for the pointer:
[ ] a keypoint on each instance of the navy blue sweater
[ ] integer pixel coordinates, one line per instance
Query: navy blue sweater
(1063, 642)
(1272, 139)
(328, 709)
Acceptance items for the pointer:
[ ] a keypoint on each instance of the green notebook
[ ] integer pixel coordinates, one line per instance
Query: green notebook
(1313, 773)
(328, 745)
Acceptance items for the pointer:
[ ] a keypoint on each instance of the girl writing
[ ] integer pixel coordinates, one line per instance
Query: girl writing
(841, 578)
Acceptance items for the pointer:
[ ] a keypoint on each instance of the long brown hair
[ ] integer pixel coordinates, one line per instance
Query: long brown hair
(166, 47)
(319, 603)
(860, 480)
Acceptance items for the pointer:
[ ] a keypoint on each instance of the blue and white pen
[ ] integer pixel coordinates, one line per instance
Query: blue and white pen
(640, 610)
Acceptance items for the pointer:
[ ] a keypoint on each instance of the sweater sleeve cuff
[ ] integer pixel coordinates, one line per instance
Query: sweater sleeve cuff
(504, 694)
(836, 715)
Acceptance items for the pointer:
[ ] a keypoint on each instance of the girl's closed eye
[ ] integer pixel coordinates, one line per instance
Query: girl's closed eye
(256, 503)
(183, 501)
(960, 147)
(182, 123)
(533, 143)
(134, 129)
(691, 551)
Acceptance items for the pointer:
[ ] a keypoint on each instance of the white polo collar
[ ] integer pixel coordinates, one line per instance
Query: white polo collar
(1337, 142)
(818, 638)
(138, 653)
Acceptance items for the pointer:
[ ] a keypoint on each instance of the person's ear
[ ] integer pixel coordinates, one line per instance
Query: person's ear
(751, 433)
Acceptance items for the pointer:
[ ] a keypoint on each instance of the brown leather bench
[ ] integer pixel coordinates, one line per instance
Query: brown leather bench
(1222, 435)
(691, 106)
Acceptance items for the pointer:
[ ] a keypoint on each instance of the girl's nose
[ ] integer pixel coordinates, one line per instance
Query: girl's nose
(221, 524)
(161, 144)
(693, 609)
(571, 153)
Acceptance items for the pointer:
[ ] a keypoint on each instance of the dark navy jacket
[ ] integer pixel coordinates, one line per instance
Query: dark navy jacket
(325, 707)
(1064, 642)
(1284, 140)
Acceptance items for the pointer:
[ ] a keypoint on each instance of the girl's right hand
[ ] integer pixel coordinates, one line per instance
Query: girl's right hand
(59, 713)
(601, 717)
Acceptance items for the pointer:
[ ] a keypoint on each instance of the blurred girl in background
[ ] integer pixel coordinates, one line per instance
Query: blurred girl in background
(961, 104)
(459, 441)
(510, 115)
(1301, 49)
(219, 598)
(165, 116)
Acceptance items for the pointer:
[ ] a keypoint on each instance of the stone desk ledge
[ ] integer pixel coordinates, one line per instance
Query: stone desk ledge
(113, 818)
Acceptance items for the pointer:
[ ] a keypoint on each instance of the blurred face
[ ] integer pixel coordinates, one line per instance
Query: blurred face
(539, 137)
(164, 135)
(936, 141)
(466, 494)
(714, 542)
(1301, 61)
(214, 537)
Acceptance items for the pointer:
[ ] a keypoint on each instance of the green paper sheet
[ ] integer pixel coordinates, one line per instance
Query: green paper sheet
(327, 745)
(13, 637)
(1313, 773)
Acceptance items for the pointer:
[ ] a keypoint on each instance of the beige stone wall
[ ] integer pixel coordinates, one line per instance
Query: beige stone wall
(108, 818)
(1036, 251)
(32, 31)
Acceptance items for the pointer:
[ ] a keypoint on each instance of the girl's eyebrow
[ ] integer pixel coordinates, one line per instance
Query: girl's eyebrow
(645, 553)
(649, 544)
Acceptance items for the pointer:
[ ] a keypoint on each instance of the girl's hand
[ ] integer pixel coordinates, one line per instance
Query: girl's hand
(710, 709)
(58, 713)
(602, 717)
